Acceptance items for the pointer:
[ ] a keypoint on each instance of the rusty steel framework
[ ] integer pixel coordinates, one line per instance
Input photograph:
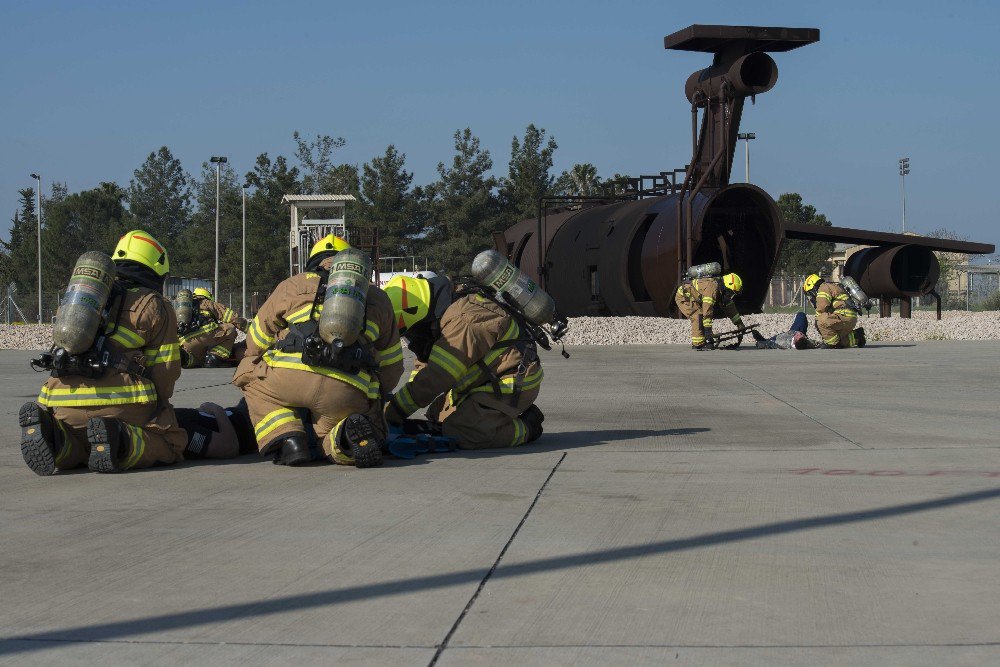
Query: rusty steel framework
(624, 253)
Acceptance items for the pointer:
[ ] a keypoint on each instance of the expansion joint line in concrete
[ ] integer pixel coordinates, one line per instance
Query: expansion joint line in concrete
(503, 552)
(804, 414)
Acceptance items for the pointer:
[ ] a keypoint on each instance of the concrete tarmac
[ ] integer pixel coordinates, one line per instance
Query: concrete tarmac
(707, 508)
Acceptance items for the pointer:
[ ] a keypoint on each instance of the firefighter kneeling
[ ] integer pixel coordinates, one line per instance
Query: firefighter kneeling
(325, 341)
(699, 298)
(478, 369)
(836, 312)
(114, 363)
(207, 338)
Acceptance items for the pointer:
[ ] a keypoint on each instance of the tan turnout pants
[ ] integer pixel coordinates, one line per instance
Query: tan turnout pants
(835, 329)
(218, 341)
(692, 311)
(481, 421)
(273, 395)
(154, 438)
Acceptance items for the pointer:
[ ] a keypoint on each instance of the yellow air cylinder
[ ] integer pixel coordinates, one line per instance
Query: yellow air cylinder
(343, 316)
(79, 318)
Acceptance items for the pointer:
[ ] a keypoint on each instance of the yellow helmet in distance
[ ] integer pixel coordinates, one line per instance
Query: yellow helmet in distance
(140, 247)
(411, 300)
(733, 281)
(811, 282)
(202, 292)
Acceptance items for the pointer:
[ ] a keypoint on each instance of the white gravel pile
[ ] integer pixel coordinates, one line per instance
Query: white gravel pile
(36, 336)
(954, 325)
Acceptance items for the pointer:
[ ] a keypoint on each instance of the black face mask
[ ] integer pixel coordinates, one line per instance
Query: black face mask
(137, 274)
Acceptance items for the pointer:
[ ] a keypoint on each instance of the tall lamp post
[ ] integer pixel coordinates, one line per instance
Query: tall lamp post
(747, 137)
(243, 312)
(38, 214)
(218, 161)
(904, 169)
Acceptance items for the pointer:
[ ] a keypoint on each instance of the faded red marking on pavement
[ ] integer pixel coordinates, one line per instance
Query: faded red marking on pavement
(892, 473)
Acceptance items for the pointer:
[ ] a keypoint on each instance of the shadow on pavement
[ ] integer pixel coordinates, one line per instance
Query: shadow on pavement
(120, 630)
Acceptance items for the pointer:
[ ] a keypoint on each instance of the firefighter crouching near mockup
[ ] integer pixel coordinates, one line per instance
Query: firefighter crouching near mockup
(285, 370)
(835, 315)
(477, 370)
(207, 339)
(700, 298)
(114, 365)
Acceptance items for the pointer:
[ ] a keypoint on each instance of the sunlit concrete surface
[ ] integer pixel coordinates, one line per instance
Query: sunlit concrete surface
(752, 507)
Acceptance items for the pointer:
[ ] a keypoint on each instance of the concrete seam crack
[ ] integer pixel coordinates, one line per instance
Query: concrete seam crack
(503, 552)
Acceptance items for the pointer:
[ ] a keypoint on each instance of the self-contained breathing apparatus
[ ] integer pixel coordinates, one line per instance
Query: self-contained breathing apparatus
(335, 339)
(80, 334)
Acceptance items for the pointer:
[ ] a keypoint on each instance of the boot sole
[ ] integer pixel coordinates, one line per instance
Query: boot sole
(103, 456)
(38, 452)
(364, 441)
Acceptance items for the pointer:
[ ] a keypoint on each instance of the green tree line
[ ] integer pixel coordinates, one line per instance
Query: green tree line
(447, 221)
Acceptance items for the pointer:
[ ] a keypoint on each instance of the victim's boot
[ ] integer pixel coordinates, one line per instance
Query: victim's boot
(39, 435)
(533, 418)
(292, 450)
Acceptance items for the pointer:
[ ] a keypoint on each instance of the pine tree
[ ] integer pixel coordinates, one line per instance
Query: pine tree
(268, 222)
(22, 264)
(463, 206)
(159, 196)
(802, 257)
(388, 203)
(528, 177)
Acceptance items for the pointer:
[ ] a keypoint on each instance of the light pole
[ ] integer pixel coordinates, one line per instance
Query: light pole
(38, 214)
(219, 161)
(243, 312)
(904, 169)
(747, 137)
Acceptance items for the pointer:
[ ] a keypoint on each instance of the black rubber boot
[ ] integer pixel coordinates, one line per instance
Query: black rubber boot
(38, 438)
(212, 361)
(859, 337)
(361, 441)
(293, 451)
(533, 418)
(108, 445)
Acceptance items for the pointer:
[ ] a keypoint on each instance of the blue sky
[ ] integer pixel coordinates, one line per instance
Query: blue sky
(90, 88)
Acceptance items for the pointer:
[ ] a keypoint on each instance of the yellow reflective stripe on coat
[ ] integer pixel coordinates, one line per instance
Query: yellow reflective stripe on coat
(302, 314)
(229, 315)
(203, 329)
(363, 381)
(70, 397)
(127, 338)
(163, 354)
(372, 331)
(475, 373)
(391, 355)
(508, 383)
(220, 351)
(272, 421)
(137, 439)
(404, 401)
(261, 339)
(447, 362)
(707, 299)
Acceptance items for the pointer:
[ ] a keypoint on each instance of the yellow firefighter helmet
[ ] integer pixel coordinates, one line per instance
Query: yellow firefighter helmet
(328, 243)
(140, 247)
(733, 281)
(811, 282)
(411, 300)
(203, 293)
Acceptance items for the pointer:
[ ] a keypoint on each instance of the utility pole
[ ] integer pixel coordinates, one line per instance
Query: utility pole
(218, 161)
(904, 169)
(746, 138)
(38, 214)
(243, 312)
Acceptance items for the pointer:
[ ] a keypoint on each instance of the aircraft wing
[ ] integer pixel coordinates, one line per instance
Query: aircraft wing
(867, 237)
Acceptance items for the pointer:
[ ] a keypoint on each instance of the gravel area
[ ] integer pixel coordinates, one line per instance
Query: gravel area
(954, 325)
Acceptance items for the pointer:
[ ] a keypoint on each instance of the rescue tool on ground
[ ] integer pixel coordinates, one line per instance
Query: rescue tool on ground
(113, 365)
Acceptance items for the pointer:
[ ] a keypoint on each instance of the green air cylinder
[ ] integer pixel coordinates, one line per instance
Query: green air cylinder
(491, 269)
(184, 307)
(343, 316)
(710, 270)
(855, 294)
(79, 318)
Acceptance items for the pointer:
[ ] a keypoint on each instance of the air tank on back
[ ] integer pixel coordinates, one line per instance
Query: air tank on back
(343, 316)
(857, 295)
(80, 316)
(491, 269)
(709, 270)
(184, 307)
